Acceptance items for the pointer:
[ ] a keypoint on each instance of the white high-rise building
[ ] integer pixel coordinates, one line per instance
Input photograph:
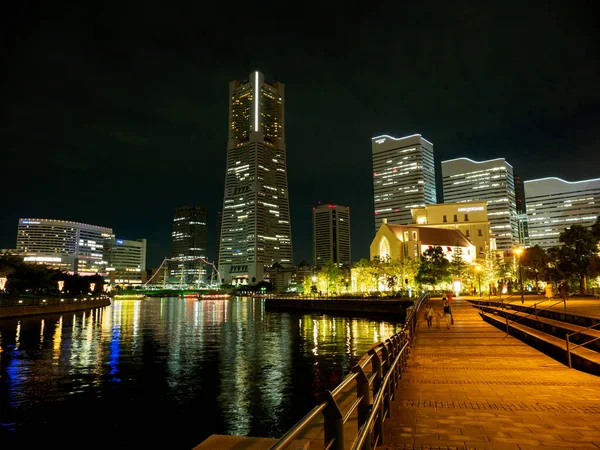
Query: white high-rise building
(71, 246)
(554, 204)
(403, 177)
(331, 235)
(465, 180)
(255, 230)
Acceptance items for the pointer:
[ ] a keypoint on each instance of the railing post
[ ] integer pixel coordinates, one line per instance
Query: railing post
(334, 422)
(507, 325)
(385, 354)
(362, 390)
(535, 308)
(568, 353)
(376, 369)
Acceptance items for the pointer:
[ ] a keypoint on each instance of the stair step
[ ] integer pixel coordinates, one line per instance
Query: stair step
(592, 333)
(590, 356)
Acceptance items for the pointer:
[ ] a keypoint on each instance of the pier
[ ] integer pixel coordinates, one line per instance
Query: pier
(477, 385)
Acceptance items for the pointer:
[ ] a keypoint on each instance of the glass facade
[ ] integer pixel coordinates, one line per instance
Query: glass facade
(403, 177)
(255, 223)
(554, 204)
(465, 180)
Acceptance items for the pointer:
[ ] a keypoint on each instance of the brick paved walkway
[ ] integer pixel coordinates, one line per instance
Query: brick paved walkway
(474, 387)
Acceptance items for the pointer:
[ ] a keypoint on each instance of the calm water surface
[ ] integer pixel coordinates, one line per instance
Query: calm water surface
(143, 371)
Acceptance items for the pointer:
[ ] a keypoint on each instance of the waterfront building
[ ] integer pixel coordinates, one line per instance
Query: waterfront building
(470, 218)
(409, 241)
(465, 180)
(554, 204)
(61, 244)
(125, 261)
(255, 230)
(403, 177)
(331, 235)
(189, 246)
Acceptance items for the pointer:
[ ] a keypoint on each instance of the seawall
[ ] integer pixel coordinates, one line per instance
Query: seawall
(52, 308)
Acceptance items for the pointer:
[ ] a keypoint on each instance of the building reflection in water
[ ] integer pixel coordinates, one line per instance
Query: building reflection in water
(163, 360)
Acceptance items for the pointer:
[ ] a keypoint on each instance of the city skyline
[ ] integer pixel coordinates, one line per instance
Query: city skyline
(98, 134)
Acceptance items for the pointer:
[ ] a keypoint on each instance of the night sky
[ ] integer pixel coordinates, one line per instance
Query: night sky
(114, 115)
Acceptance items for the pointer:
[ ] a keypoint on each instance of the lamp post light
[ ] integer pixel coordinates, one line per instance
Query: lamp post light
(478, 270)
(518, 252)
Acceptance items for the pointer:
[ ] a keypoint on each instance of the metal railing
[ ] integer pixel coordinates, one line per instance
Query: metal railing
(569, 347)
(388, 360)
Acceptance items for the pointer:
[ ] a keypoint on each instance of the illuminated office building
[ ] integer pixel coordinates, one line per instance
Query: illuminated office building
(465, 180)
(71, 246)
(331, 235)
(255, 230)
(125, 261)
(403, 177)
(189, 245)
(554, 204)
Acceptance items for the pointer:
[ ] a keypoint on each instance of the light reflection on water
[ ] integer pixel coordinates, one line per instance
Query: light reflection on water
(182, 368)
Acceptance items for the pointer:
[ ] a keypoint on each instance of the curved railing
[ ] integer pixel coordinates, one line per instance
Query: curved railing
(376, 376)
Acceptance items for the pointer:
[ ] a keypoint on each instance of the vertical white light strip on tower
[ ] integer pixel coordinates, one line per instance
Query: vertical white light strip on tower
(256, 101)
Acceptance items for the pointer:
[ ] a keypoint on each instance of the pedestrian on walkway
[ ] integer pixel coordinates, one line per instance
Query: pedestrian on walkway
(449, 296)
(548, 290)
(564, 289)
(429, 315)
(447, 313)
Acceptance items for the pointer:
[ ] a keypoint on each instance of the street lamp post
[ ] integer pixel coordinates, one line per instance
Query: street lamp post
(518, 251)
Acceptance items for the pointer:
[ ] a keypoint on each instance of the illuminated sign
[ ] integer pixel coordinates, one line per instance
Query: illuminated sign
(33, 222)
(119, 241)
(471, 208)
(379, 141)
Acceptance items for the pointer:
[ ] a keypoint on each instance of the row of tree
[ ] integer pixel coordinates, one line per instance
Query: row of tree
(35, 279)
(575, 261)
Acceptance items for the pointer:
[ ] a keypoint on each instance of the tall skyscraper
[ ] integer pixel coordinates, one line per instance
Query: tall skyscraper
(189, 242)
(403, 177)
(331, 235)
(255, 231)
(71, 246)
(465, 180)
(218, 234)
(554, 204)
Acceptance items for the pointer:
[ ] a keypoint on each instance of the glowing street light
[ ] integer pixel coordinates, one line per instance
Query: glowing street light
(518, 252)
(3, 281)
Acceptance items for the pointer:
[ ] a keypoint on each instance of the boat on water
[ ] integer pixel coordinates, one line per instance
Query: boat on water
(189, 295)
(209, 296)
(130, 297)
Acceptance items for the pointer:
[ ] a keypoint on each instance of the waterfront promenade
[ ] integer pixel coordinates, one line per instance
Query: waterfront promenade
(475, 387)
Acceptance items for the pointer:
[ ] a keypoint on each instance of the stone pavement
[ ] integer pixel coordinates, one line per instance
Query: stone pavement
(474, 387)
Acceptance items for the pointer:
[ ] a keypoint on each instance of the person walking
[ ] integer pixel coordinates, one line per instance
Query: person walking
(548, 291)
(447, 312)
(429, 315)
(449, 296)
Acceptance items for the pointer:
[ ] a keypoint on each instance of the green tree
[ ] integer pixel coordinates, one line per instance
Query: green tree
(434, 267)
(579, 245)
(364, 275)
(534, 261)
(595, 229)
(333, 276)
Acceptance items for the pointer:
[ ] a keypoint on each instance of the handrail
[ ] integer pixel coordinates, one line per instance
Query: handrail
(570, 348)
(388, 360)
